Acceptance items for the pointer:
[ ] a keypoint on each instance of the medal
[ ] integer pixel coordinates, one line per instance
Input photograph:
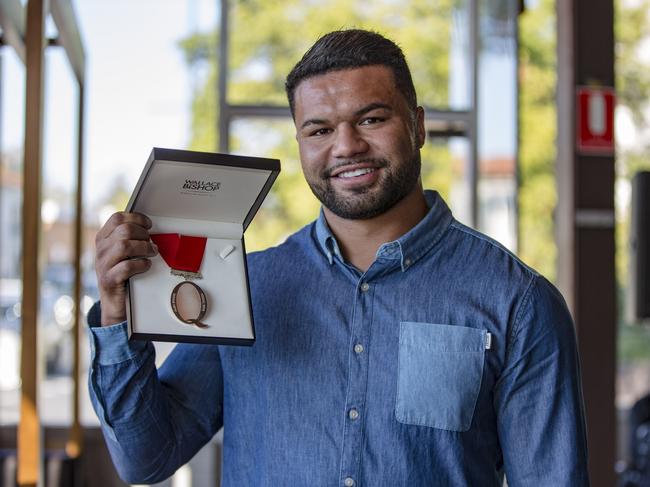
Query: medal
(189, 303)
(184, 254)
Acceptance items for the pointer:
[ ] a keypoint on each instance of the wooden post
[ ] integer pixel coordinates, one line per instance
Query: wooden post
(585, 223)
(70, 38)
(29, 430)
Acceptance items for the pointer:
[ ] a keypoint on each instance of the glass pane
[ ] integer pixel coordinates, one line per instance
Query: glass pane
(444, 169)
(56, 314)
(140, 94)
(12, 124)
(497, 121)
(90, 294)
(633, 338)
(268, 38)
(290, 204)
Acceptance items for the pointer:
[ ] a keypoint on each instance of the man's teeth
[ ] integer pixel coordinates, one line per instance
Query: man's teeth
(356, 172)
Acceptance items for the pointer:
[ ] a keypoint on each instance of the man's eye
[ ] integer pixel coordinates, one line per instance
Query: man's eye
(323, 131)
(371, 120)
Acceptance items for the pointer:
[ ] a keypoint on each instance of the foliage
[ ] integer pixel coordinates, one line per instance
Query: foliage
(633, 343)
(537, 196)
(537, 191)
(120, 193)
(632, 30)
(266, 39)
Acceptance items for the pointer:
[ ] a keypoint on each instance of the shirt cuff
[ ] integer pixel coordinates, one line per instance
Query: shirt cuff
(110, 345)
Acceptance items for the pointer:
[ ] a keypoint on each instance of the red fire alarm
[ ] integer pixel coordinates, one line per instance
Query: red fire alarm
(595, 120)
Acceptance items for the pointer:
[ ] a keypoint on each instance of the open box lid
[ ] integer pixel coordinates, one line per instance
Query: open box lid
(203, 187)
(198, 194)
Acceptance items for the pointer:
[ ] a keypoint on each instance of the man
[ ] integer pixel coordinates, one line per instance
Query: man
(395, 346)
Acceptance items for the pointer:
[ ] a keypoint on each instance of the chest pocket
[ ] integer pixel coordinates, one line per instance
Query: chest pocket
(439, 374)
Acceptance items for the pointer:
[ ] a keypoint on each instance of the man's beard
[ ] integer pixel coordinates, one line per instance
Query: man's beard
(369, 202)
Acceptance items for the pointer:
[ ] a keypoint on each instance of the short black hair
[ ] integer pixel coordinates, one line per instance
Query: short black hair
(348, 49)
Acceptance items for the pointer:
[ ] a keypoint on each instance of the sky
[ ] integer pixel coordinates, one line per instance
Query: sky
(138, 90)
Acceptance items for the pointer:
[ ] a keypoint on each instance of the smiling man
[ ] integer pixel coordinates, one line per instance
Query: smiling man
(360, 146)
(395, 346)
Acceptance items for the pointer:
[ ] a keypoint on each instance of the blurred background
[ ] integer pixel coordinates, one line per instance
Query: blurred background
(122, 77)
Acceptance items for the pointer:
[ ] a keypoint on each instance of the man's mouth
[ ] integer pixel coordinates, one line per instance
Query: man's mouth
(356, 172)
(357, 169)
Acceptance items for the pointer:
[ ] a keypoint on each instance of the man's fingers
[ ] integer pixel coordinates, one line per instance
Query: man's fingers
(118, 274)
(122, 246)
(122, 236)
(130, 231)
(122, 218)
(112, 253)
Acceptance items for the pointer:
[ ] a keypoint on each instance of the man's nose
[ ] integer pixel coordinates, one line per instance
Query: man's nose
(348, 142)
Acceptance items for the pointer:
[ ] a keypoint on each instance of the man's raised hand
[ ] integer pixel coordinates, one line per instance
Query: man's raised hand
(122, 249)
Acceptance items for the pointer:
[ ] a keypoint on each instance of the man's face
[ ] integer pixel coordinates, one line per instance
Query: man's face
(359, 142)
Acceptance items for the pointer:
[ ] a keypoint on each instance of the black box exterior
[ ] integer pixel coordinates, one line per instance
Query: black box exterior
(640, 247)
(226, 160)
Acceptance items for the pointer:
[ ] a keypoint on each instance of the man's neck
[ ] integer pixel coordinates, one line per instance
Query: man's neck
(359, 239)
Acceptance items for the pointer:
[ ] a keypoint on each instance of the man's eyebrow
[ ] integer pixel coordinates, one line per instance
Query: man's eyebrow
(313, 121)
(373, 106)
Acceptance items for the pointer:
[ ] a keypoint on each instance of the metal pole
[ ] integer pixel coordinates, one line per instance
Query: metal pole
(472, 170)
(1, 158)
(75, 442)
(222, 88)
(517, 10)
(29, 430)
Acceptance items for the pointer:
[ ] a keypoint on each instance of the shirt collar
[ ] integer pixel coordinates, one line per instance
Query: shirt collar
(410, 247)
(326, 239)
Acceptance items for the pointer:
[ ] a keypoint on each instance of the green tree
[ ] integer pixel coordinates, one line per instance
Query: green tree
(632, 27)
(632, 30)
(266, 39)
(537, 192)
(537, 196)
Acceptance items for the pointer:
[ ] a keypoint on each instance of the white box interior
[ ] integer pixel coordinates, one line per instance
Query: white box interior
(217, 215)
(223, 282)
(164, 193)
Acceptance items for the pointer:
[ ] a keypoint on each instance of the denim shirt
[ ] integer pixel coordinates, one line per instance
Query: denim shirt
(447, 363)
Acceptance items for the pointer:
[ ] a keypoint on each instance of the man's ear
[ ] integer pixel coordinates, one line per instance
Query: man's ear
(420, 133)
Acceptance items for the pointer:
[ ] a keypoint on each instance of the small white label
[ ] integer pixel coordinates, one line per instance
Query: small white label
(227, 250)
(597, 110)
(488, 341)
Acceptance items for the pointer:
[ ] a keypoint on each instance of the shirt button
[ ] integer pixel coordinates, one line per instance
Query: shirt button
(358, 348)
(353, 414)
(349, 482)
(407, 262)
(365, 286)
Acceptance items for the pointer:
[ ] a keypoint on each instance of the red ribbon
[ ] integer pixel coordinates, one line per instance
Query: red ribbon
(181, 252)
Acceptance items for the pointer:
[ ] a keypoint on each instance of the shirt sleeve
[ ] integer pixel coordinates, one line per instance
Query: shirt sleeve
(538, 397)
(153, 420)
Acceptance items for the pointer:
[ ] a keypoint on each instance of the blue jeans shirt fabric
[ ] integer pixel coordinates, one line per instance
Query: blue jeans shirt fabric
(447, 363)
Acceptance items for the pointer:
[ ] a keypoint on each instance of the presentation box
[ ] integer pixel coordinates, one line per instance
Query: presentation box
(200, 205)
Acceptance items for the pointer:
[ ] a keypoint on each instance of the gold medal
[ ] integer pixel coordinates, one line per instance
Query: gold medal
(189, 304)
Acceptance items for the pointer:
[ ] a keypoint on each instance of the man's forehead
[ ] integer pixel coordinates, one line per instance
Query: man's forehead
(346, 87)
